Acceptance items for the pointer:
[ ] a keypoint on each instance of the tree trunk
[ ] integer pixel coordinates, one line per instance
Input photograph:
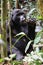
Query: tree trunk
(40, 7)
(5, 12)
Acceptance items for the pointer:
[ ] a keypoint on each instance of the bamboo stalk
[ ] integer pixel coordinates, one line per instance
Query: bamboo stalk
(2, 54)
(9, 27)
(5, 12)
(40, 7)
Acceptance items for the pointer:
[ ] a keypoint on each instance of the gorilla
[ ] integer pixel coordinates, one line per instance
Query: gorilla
(19, 24)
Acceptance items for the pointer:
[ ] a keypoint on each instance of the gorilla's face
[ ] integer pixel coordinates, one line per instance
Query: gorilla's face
(18, 15)
(21, 18)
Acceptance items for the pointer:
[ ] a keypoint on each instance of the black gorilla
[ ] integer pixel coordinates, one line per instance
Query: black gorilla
(18, 24)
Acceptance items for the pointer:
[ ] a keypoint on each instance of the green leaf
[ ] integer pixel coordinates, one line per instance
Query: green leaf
(39, 34)
(17, 63)
(31, 11)
(39, 17)
(27, 47)
(38, 37)
(37, 40)
(18, 39)
(1, 60)
(12, 55)
(21, 33)
(0, 36)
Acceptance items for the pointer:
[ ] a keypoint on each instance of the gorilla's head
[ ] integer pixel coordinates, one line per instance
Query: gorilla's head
(17, 18)
(18, 14)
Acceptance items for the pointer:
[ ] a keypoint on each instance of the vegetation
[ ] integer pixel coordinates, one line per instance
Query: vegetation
(40, 6)
(36, 56)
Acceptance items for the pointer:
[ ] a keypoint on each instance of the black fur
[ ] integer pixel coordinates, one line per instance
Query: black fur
(18, 26)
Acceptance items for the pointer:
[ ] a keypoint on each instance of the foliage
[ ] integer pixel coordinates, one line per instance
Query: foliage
(1, 60)
(36, 40)
(39, 17)
(0, 36)
(12, 56)
(17, 62)
(28, 45)
(34, 58)
(30, 13)
(12, 3)
(40, 7)
(38, 37)
(20, 35)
